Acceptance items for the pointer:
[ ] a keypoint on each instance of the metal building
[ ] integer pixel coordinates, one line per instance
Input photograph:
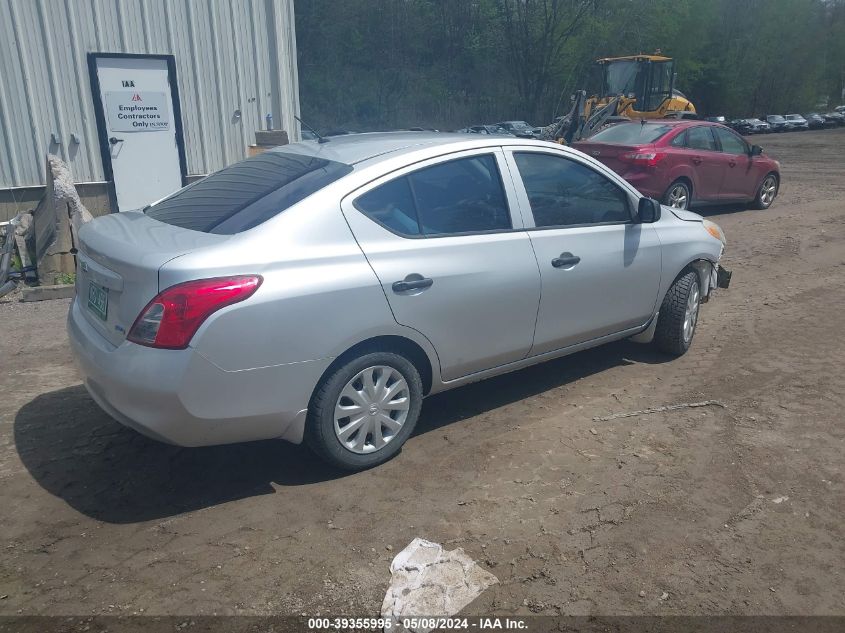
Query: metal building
(232, 63)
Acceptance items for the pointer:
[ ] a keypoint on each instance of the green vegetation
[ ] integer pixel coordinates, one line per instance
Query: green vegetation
(381, 64)
(66, 278)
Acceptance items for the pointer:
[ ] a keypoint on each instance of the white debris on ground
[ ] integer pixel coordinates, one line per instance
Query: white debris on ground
(428, 581)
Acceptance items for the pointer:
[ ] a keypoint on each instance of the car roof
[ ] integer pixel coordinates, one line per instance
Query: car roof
(352, 149)
(680, 123)
(355, 148)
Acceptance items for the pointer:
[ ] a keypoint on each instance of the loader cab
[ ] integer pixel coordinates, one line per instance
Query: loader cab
(649, 79)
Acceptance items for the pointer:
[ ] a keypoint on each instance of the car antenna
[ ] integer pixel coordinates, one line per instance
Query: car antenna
(320, 139)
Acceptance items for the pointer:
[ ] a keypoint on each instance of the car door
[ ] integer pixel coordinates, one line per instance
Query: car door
(739, 181)
(599, 270)
(453, 259)
(707, 163)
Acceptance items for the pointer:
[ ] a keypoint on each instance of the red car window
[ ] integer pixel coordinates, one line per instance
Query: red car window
(701, 138)
(730, 142)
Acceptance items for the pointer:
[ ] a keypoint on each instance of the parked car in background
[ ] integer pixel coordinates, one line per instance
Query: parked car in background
(750, 126)
(485, 129)
(815, 121)
(739, 125)
(684, 163)
(778, 123)
(797, 122)
(287, 297)
(518, 128)
(840, 109)
(834, 118)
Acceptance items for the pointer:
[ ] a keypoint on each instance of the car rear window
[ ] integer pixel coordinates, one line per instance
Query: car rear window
(244, 195)
(631, 133)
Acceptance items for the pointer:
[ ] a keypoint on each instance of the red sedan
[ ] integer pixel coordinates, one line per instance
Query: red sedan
(684, 163)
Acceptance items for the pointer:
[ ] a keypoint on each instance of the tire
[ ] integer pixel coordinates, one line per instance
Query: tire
(678, 195)
(675, 325)
(766, 192)
(341, 442)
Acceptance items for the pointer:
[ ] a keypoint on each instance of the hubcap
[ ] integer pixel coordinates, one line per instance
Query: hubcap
(768, 190)
(372, 409)
(678, 197)
(691, 314)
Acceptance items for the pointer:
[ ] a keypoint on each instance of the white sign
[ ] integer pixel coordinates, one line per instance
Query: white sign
(130, 111)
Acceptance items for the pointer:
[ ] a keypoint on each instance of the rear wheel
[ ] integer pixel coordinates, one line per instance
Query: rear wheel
(767, 192)
(364, 411)
(678, 195)
(679, 315)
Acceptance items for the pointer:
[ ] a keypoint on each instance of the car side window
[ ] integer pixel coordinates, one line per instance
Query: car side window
(680, 140)
(392, 206)
(730, 142)
(563, 192)
(459, 196)
(701, 138)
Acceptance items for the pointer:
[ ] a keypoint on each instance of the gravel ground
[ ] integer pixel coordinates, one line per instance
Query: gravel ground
(734, 510)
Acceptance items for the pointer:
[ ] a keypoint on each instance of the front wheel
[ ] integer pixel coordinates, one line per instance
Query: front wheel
(679, 315)
(678, 195)
(767, 192)
(362, 413)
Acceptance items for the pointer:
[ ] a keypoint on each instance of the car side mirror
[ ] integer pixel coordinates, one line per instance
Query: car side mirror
(648, 210)
(756, 150)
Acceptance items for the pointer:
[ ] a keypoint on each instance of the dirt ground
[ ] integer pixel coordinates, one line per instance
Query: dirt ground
(734, 510)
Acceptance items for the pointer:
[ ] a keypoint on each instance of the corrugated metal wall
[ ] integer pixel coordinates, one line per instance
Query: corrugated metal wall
(230, 55)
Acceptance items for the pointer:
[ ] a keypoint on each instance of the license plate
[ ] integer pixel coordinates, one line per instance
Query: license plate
(98, 300)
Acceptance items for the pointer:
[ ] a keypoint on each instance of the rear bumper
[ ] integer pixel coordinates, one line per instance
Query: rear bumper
(646, 183)
(180, 397)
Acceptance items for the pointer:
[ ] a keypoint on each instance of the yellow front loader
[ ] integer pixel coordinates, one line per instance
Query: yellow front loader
(644, 85)
(632, 87)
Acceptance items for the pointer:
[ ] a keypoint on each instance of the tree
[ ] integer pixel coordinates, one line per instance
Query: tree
(536, 32)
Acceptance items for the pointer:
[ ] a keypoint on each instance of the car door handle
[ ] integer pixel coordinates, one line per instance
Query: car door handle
(696, 160)
(732, 163)
(565, 260)
(412, 284)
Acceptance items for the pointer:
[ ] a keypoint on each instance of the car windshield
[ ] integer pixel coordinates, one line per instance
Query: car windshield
(631, 133)
(244, 195)
(776, 118)
(793, 117)
(620, 77)
(520, 125)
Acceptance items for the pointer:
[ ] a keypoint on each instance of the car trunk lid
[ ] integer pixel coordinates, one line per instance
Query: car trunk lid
(118, 264)
(611, 154)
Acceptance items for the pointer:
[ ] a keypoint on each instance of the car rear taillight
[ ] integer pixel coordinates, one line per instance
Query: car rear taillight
(646, 159)
(172, 318)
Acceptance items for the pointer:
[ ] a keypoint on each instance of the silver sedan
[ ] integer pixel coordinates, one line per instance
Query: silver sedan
(319, 291)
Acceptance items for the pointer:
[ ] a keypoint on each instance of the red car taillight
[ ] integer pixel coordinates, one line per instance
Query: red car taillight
(172, 318)
(646, 159)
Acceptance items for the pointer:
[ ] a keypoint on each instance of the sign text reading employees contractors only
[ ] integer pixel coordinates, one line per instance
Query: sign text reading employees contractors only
(129, 111)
